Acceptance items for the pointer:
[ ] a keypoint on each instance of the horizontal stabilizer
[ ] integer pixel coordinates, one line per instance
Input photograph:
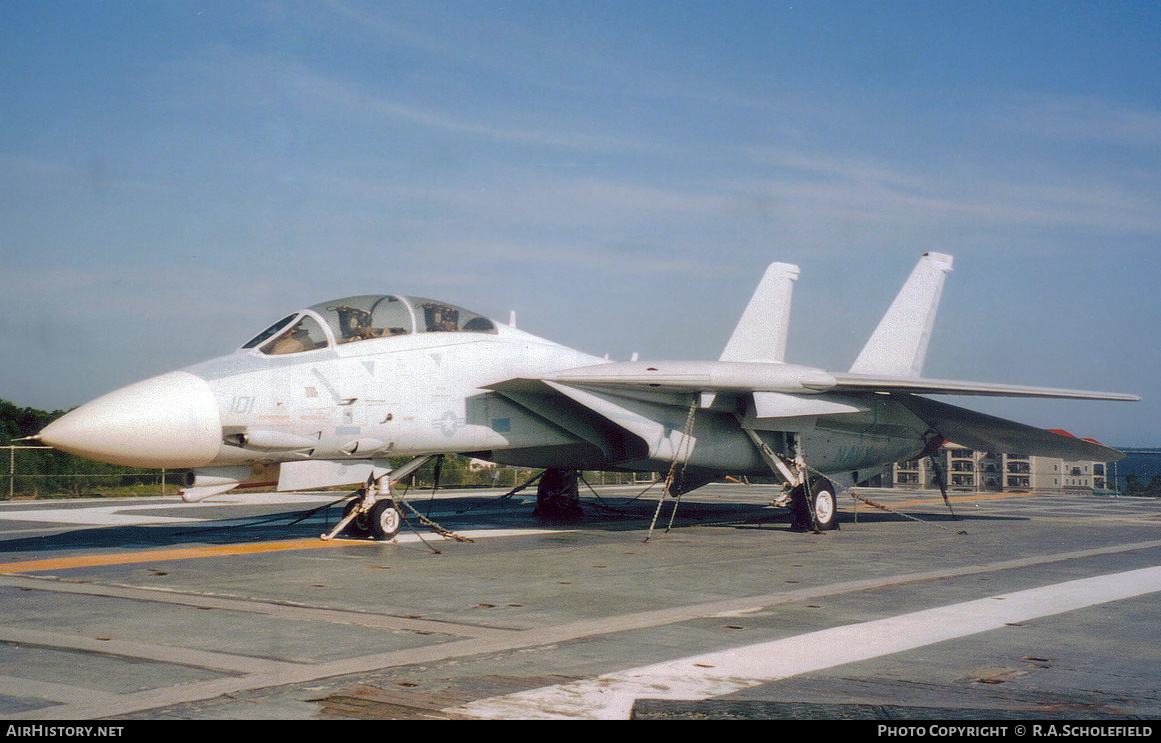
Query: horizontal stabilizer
(898, 346)
(987, 433)
(763, 328)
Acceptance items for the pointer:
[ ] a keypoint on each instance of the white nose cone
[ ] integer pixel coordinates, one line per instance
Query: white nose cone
(166, 421)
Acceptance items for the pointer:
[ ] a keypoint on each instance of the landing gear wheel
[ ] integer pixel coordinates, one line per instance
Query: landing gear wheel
(799, 510)
(385, 520)
(823, 506)
(824, 503)
(360, 526)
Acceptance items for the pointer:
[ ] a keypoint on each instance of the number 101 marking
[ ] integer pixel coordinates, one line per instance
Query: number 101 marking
(242, 404)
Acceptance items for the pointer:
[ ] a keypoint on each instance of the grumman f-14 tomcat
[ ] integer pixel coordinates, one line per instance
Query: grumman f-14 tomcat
(326, 395)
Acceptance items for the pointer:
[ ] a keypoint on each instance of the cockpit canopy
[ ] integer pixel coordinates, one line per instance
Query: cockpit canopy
(363, 318)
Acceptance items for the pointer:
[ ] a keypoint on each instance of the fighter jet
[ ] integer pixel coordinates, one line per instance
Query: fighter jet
(329, 395)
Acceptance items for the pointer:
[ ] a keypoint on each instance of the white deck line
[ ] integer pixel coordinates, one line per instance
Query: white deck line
(611, 696)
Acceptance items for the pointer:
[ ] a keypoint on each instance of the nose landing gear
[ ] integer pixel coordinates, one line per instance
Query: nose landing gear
(366, 515)
(373, 512)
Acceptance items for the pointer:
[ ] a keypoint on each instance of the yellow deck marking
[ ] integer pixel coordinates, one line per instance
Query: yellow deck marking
(186, 553)
(965, 498)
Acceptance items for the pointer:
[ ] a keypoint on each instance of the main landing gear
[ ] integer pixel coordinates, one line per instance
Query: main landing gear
(810, 498)
(557, 496)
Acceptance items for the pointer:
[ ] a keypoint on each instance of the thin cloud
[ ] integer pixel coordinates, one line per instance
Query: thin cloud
(231, 78)
(885, 195)
(1083, 118)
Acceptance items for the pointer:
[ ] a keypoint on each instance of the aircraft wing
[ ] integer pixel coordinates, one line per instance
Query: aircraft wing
(788, 391)
(742, 377)
(923, 386)
(989, 433)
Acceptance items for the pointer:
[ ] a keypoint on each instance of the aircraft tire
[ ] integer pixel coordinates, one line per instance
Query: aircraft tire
(385, 520)
(360, 526)
(824, 503)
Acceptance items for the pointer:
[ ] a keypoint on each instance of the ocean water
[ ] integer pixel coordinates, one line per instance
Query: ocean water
(1144, 464)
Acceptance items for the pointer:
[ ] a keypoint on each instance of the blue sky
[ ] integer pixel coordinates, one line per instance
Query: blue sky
(176, 175)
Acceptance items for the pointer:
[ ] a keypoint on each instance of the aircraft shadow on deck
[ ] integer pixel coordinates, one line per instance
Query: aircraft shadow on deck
(611, 515)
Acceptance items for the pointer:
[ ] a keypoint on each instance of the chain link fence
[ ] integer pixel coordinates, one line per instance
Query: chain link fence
(43, 472)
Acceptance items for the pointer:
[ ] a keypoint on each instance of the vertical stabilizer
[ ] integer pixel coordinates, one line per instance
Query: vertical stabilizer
(898, 346)
(762, 331)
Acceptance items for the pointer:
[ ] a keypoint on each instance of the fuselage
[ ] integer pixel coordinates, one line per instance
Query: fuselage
(396, 396)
